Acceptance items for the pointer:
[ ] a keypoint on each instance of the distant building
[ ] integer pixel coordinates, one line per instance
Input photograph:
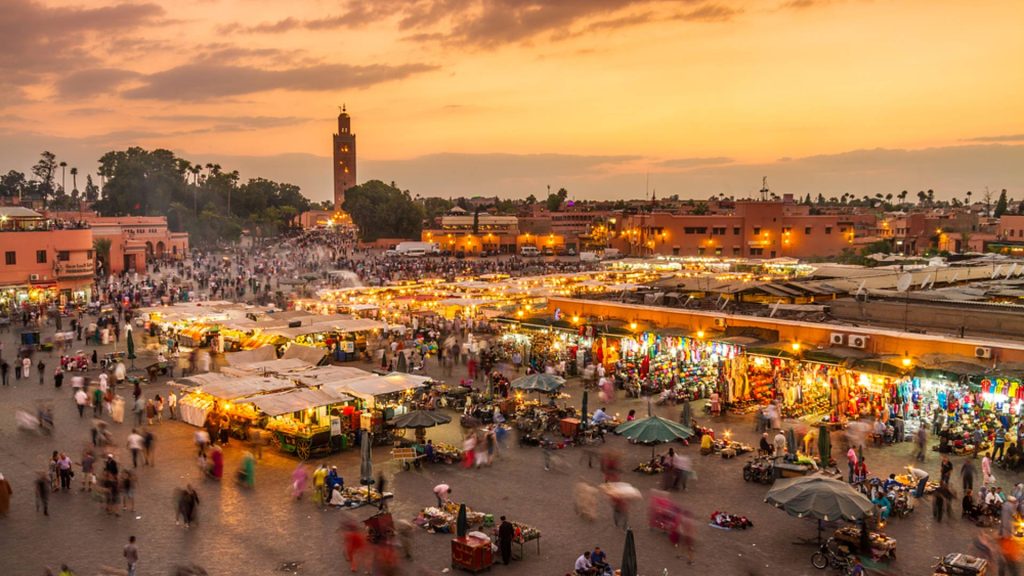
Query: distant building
(134, 240)
(44, 260)
(456, 232)
(754, 229)
(344, 158)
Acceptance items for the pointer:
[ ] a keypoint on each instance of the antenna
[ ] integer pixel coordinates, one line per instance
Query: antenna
(764, 188)
(904, 282)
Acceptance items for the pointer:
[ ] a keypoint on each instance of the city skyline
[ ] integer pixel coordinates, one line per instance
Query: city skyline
(503, 98)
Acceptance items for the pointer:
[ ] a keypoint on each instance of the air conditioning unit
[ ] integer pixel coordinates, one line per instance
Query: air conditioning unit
(837, 339)
(857, 341)
(719, 322)
(33, 277)
(982, 352)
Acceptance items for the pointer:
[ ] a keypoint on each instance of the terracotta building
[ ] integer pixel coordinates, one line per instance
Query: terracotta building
(136, 240)
(344, 158)
(754, 229)
(44, 260)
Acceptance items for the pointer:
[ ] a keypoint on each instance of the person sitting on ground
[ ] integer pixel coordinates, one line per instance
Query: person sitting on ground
(600, 560)
(583, 566)
(891, 483)
(336, 498)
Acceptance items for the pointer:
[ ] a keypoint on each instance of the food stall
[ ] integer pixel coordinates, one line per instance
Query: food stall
(304, 421)
(380, 398)
(219, 393)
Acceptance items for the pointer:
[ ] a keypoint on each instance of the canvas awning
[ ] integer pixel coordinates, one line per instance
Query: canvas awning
(238, 388)
(296, 400)
(281, 366)
(371, 386)
(309, 354)
(329, 375)
(261, 354)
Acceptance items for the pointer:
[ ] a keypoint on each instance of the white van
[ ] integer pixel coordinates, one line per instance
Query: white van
(528, 251)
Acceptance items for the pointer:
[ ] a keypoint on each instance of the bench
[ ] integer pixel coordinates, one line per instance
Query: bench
(407, 456)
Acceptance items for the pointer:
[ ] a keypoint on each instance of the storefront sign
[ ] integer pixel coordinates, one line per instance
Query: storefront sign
(335, 426)
(75, 270)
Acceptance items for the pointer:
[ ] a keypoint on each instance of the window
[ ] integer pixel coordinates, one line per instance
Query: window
(807, 230)
(828, 229)
(11, 258)
(695, 230)
(757, 230)
(700, 251)
(40, 256)
(89, 254)
(63, 255)
(718, 251)
(718, 231)
(735, 250)
(757, 251)
(787, 229)
(735, 230)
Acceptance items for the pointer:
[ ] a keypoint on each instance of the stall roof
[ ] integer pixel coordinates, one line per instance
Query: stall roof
(325, 375)
(296, 400)
(207, 378)
(261, 354)
(238, 388)
(379, 385)
(343, 325)
(308, 354)
(276, 366)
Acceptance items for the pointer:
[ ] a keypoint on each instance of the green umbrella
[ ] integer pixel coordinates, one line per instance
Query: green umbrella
(546, 383)
(653, 430)
(820, 497)
(824, 445)
(629, 555)
(461, 524)
(131, 346)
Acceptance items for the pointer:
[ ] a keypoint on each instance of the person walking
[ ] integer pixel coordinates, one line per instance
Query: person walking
(967, 475)
(851, 460)
(41, 368)
(5, 496)
(131, 555)
(4, 369)
(945, 470)
(505, 533)
(921, 442)
(999, 443)
(135, 443)
(149, 446)
(81, 400)
(26, 367)
(172, 405)
(42, 486)
(58, 377)
(986, 471)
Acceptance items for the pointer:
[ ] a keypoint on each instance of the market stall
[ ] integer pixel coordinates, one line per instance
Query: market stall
(305, 422)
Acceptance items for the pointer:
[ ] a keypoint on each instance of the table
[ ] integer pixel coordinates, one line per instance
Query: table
(471, 554)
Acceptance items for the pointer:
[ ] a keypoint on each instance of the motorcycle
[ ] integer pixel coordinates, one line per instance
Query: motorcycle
(759, 470)
(832, 554)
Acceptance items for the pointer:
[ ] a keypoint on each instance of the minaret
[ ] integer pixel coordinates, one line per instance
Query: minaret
(344, 158)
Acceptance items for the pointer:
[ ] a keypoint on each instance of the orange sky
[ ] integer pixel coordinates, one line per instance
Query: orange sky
(671, 87)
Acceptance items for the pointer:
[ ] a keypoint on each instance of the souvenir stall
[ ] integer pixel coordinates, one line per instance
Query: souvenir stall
(680, 367)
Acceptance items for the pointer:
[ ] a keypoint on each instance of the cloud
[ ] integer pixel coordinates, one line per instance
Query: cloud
(201, 81)
(1000, 138)
(214, 123)
(491, 23)
(40, 40)
(687, 163)
(93, 81)
(801, 4)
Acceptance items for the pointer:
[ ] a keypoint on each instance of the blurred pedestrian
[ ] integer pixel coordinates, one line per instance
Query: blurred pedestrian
(42, 486)
(5, 496)
(131, 555)
(135, 444)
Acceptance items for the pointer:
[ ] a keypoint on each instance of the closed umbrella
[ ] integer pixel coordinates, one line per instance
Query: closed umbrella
(131, 347)
(547, 383)
(791, 441)
(583, 416)
(629, 567)
(402, 364)
(819, 497)
(366, 463)
(687, 417)
(461, 523)
(824, 445)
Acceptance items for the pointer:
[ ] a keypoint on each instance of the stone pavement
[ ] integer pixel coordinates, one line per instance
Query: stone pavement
(255, 531)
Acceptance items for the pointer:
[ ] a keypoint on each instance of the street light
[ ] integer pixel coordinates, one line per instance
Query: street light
(796, 346)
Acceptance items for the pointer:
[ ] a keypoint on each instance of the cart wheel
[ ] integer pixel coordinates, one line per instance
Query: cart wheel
(302, 451)
(748, 475)
(819, 561)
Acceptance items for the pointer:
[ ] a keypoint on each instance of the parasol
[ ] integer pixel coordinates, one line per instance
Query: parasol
(819, 497)
(547, 383)
(366, 461)
(403, 366)
(653, 430)
(629, 567)
(131, 347)
(421, 419)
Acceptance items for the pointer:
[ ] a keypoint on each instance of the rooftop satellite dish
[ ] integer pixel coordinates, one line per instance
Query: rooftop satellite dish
(904, 282)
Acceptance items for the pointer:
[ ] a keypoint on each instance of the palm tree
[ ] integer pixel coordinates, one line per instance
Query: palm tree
(102, 248)
(63, 176)
(903, 197)
(969, 193)
(74, 181)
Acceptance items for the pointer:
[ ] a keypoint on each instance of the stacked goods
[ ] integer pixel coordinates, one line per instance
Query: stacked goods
(651, 467)
(524, 533)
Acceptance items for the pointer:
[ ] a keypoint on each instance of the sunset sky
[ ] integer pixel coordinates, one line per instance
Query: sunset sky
(464, 97)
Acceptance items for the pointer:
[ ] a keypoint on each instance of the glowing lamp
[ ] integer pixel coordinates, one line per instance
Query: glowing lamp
(796, 346)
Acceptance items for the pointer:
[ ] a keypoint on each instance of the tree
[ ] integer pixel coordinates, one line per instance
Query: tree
(988, 201)
(44, 171)
(700, 209)
(968, 202)
(74, 183)
(931, 196)
(92, 192)
(531, 200)
(921, 196)
(14, 185)
(821, 198)
(903, 197)
(102, 248)
(383, 211)
(555, 201)
(434, 207)
(63, 176)
(1001, 204)
(476, 220)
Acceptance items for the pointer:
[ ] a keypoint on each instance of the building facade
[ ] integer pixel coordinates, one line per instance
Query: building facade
(136, 241)
(754, 229)
(344, 158)
(43, 260)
